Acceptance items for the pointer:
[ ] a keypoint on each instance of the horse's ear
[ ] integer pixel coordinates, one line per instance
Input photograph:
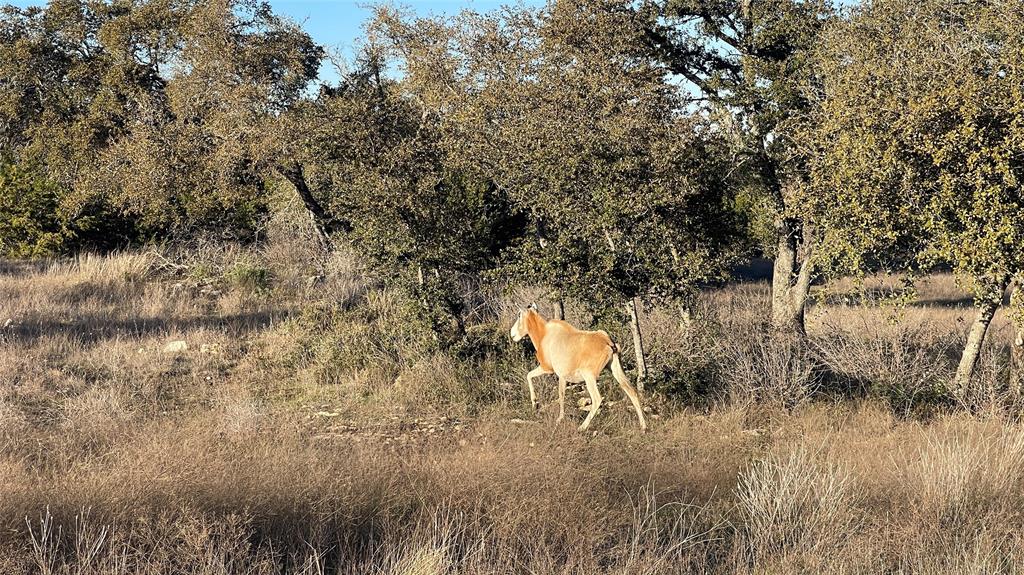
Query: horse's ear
(532, 306)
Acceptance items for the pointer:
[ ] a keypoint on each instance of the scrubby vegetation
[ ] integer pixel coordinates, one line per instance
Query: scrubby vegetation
(313, 428)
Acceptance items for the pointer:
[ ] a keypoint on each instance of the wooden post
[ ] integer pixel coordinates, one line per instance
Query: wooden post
(638, 343)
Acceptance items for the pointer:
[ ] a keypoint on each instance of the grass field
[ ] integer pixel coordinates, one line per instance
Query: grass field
(306, 426)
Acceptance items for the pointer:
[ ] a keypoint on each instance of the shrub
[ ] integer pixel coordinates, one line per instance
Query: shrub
(769, 368)
(899, 362)
(248, 276)
(31, 223)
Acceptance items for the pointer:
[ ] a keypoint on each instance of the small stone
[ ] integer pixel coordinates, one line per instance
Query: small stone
(176, 346)
(327, 414)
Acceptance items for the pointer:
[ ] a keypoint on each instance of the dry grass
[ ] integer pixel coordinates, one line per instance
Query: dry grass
(309, 428)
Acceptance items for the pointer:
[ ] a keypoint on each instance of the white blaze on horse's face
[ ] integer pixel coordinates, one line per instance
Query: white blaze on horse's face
(518, 331)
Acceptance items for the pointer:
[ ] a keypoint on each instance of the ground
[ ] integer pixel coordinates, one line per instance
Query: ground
(160, 415)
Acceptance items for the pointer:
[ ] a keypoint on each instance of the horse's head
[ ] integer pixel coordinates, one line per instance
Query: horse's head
(519, 331)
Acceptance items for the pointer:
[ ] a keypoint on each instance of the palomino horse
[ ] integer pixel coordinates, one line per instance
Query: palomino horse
(574, 356)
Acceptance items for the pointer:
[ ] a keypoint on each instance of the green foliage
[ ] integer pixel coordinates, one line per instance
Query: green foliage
(30, 222)
(909, 158)
(380, 165)
(564, 115)
(249, 276)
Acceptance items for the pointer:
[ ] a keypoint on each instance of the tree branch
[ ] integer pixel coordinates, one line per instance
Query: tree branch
(325, 224)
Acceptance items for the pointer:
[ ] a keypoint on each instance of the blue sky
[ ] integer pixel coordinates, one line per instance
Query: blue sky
(337, 24)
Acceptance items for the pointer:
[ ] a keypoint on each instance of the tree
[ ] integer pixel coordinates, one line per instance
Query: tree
(197, 153)
(565, 110)
(156, 109)
(747, 64)
(923, 112)
(374, 166)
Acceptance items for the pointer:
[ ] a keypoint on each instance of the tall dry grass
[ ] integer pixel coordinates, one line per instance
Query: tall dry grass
(309, 427)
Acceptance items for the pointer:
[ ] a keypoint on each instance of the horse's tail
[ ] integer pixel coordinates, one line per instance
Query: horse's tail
(616, 366)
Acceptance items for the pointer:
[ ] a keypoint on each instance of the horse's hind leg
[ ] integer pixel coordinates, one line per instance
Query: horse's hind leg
(561, 398)
(595, 399)
(629, 390)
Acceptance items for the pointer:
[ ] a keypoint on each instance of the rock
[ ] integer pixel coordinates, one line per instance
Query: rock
(583, 401)
(176, 346)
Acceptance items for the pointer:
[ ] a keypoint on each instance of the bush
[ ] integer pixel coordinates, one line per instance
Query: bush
(248, 276)
(31, 224)
(901, 363)
(769, 368)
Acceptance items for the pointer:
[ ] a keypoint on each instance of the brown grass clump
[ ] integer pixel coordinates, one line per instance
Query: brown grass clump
(794, 506)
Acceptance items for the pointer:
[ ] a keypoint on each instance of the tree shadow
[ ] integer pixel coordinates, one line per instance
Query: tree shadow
(22, 268)
(91, 329)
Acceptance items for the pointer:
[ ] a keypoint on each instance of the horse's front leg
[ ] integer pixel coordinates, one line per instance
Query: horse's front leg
(536, 372)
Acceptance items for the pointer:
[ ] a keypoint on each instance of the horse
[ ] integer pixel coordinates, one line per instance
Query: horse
(574, 356)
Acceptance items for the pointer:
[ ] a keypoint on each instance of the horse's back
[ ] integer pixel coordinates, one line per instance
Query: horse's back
(571, 350)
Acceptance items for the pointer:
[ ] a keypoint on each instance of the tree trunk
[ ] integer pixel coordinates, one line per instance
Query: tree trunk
(791, 279)
(685, 316)
(685, 319)
(1017, 361)
(638, 344)
(323, 222)
(972, 350)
